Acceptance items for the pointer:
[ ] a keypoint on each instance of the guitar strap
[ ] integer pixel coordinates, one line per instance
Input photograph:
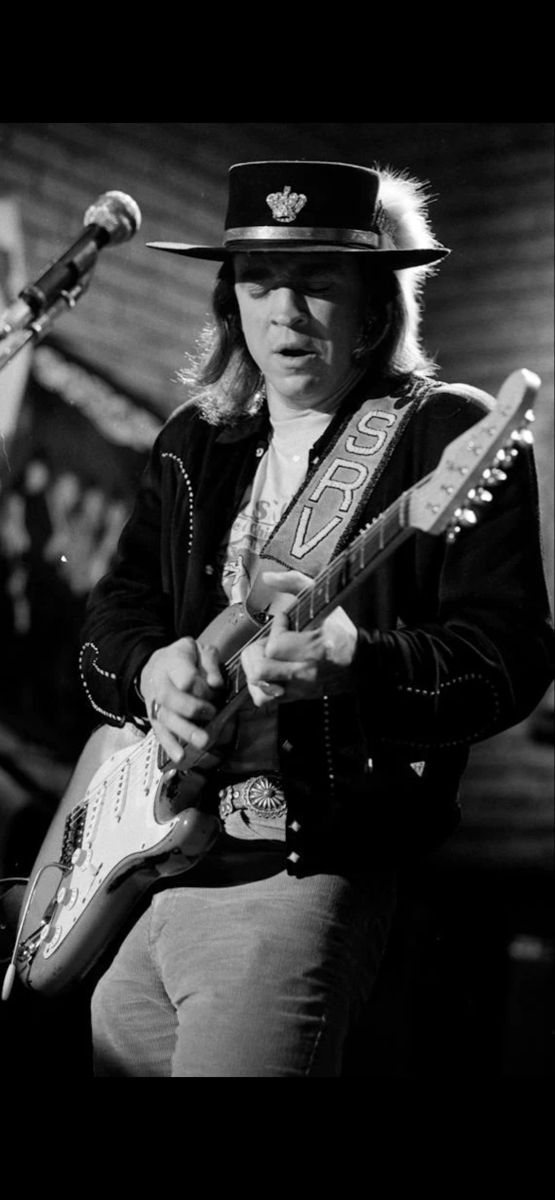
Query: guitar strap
(307, 535)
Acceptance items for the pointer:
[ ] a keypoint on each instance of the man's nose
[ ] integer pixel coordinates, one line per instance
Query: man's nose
(288, 306)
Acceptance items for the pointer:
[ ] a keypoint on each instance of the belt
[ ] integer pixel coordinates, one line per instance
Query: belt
(262, 795)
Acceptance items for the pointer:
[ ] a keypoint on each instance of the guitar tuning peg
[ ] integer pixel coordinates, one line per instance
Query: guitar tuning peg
(479, 495)
(453, 533)
(465, 516)
(523, 437)
(506, 456)
(529, 416)
(492, 476)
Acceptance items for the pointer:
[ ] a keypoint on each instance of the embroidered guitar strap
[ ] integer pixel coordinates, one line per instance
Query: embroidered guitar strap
(311, 527)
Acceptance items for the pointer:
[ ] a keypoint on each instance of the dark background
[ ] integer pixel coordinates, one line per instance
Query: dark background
(467, 986)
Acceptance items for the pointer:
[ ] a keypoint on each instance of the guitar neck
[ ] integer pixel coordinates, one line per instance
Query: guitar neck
(345, 572)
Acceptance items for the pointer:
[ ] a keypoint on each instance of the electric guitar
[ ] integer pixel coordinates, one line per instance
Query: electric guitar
(129, 816)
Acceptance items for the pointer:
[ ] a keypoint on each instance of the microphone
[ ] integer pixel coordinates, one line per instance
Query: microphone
(112, 219)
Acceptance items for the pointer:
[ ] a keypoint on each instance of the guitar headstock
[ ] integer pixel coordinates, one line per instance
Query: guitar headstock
(477, 461)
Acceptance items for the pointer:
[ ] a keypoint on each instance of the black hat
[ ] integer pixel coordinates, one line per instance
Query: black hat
(309, 206)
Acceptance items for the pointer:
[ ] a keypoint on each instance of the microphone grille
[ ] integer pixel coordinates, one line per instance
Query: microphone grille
(117, 213)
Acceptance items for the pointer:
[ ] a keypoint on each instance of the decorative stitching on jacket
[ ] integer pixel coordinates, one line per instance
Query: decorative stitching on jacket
(180, 464)
(448, 683)
(435, 692)
(106, 674)
(328, 743)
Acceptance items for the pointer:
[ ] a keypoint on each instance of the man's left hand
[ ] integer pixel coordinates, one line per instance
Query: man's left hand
(289, 666)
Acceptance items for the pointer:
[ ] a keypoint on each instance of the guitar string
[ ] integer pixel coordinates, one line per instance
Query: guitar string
(134, 753)
(335, 567)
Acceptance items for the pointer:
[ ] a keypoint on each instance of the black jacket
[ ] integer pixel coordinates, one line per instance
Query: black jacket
(455, 640)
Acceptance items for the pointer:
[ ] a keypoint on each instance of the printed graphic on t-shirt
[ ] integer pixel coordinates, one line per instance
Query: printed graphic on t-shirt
(250, 530)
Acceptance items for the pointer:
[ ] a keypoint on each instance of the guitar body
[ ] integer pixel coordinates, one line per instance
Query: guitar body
(121, 824)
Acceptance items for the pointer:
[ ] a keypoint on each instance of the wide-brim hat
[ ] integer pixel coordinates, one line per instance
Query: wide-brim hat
(309, 206)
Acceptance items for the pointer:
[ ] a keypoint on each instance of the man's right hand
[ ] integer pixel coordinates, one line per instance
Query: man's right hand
(181, 680)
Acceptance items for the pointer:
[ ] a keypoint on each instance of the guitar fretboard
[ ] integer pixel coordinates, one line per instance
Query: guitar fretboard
(377, 541)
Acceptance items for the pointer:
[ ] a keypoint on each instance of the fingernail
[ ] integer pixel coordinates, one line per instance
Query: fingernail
(272, 689)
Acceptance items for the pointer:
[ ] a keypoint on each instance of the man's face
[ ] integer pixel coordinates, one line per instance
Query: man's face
(301, 316)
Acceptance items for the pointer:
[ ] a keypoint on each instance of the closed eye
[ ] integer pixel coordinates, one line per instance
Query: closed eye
(259, 282)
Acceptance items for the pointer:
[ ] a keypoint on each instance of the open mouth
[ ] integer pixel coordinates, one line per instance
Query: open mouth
(295, 352)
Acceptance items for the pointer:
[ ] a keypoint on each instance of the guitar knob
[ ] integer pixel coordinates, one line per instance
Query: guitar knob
(81, 857)
(55, 933)
(67, 896)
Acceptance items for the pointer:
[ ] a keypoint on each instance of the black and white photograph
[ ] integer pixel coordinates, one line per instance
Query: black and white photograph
(277, 578)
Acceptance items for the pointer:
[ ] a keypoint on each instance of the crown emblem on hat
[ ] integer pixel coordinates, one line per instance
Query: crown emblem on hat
(285, 205)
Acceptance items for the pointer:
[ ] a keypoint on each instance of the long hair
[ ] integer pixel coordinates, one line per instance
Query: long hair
(222, 377)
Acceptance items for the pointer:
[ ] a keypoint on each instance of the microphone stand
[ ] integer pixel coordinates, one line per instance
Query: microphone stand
(13, 340)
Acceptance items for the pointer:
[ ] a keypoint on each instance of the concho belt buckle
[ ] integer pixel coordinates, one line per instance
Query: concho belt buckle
(262, 795)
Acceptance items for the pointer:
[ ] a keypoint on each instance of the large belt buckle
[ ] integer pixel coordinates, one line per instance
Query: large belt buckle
(262, 795)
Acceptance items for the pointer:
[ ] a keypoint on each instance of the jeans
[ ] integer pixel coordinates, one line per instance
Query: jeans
(256, 979)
